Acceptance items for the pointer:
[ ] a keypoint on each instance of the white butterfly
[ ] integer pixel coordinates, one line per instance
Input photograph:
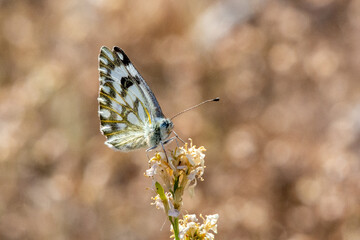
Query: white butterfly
(130, 115)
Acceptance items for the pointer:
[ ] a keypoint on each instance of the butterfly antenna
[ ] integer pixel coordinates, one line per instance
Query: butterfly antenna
(198, 105)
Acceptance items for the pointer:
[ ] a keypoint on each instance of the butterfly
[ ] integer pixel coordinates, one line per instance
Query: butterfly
(130, 115)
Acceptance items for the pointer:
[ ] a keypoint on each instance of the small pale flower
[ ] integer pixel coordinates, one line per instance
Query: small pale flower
(151, 171)
(171, 175)
(180, 170)
(211, 222)
(196, 155)
(190, 218)
(190, 228)
(157, 202)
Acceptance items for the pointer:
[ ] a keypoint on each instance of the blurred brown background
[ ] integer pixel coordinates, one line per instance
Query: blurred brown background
(283, 143)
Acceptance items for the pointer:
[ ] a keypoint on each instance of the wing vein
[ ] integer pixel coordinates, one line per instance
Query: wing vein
(111, 109)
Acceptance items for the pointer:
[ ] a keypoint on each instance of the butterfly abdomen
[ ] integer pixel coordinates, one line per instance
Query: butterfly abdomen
(153, 137)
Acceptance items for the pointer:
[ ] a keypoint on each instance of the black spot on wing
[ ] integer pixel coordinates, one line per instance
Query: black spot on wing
(113, 115)
(136, 104)
(126, 82)
(106, 77)
(112, 93)
(125, 60)
(126, 112)
(137, 79)
(114, 127)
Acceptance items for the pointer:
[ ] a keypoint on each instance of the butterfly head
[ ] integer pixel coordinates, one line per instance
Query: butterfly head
(166, 126)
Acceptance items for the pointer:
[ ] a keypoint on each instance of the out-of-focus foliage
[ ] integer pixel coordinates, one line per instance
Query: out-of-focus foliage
(283, 159)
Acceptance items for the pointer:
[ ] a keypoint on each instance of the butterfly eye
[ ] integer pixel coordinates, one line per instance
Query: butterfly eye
(164, 125)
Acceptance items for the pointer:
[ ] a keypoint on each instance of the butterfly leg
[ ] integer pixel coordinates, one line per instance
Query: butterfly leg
(162, 145)
(149, 150)
(168, 140)
(152, 148)
(177, 136)
(177, 143)
(147, 154)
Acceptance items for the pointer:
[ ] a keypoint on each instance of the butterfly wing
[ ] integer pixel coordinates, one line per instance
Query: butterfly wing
(127, 106)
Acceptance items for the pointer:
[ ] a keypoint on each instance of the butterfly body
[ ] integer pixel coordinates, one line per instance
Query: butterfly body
(159, 132)
(130, 116)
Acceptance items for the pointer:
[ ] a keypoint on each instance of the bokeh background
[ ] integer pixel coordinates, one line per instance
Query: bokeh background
(283, 156)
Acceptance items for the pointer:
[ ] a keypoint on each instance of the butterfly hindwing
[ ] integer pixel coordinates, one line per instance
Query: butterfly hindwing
(122, 104)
